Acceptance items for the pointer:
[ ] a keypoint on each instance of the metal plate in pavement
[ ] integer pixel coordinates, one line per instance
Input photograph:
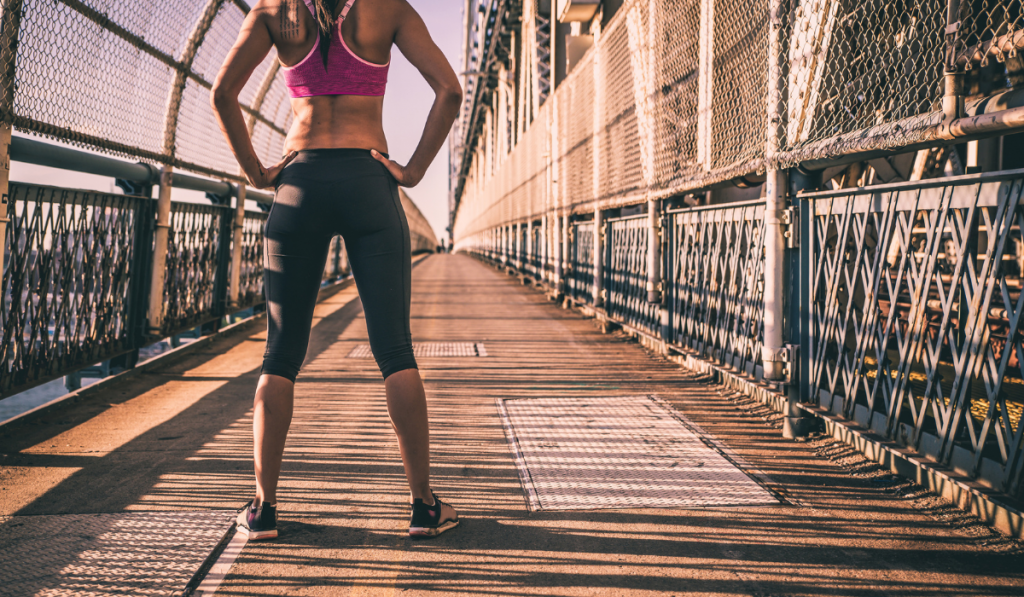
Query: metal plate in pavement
(134, 553)
(429, 350)
(587, 453)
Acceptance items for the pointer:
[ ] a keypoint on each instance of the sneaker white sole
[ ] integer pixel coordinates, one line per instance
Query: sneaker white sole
(257, 535)
(432, 531)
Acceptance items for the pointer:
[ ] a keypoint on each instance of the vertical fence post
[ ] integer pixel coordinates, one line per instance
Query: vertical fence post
(654, 251)
(343, 267)
(556, 253)
(220, 280)
(953, 77)
(530, 250)
(163, 227)
(520, 248)
(774, 350)
(806, 299)
(798, 423)
(545, 245)
(10, 25)
(566, 254)
(598, 258)
(6, 203)
(236, 247)
(668, 255)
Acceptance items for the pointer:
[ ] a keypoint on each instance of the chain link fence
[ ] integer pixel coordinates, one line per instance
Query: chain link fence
(673, 98)
(895, 293)
(113, 77)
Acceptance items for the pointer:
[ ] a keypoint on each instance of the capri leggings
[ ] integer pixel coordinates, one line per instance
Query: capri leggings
(322, 193)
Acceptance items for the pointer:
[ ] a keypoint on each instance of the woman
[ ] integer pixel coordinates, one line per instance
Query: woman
(337, 179)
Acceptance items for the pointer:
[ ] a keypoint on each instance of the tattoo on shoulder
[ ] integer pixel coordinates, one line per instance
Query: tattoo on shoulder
(290, 19)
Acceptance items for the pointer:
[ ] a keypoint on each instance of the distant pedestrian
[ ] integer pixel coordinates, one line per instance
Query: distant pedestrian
(336, 178)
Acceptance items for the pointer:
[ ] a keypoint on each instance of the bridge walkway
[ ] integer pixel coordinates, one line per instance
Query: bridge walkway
(180, 438)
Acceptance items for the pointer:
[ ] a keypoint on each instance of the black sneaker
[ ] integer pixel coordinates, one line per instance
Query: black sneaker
(258, 523)
(426, 520)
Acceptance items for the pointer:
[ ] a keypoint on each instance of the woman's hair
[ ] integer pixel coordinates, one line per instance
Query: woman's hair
(325, 23)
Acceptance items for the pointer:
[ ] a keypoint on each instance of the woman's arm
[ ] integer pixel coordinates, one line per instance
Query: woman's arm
(413, 40)
(251, 47)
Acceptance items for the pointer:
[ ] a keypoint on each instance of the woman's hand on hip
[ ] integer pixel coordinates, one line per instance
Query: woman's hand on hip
(266, 178)
(403, 174)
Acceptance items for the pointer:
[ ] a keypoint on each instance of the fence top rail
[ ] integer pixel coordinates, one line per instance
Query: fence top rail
(931, 183)
(721, 206)
(641, 216)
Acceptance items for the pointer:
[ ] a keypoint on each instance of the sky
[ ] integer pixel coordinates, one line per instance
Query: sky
(408, 101)
(406, 106)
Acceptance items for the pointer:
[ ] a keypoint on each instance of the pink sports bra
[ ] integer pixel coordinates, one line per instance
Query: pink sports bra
(346, 73)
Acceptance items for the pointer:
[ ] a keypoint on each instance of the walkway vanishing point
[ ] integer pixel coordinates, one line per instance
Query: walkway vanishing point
(177, 439)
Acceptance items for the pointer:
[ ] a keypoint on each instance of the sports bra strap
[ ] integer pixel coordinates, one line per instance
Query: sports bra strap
(344, 11)
(341, 17)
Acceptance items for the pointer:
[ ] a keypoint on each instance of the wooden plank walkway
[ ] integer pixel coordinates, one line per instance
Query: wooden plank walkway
(181, 439)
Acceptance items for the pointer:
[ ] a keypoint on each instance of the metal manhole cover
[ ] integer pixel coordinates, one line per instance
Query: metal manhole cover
(137, 553)
(621, 452)
(429, 349)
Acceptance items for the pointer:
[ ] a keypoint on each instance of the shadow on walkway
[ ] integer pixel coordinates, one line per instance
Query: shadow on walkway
(181, 439)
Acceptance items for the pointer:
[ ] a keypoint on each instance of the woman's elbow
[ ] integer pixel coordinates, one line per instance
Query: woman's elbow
(220, 97)
(452, 94)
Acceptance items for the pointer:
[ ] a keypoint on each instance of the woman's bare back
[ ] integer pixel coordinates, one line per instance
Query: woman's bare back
(369, 31)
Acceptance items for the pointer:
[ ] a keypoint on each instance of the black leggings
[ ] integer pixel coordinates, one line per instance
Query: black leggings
(322, 193)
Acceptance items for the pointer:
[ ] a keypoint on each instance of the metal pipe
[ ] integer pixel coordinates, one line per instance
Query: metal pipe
(996, 47)
(30, 151)
(163, 228)
(235, 288)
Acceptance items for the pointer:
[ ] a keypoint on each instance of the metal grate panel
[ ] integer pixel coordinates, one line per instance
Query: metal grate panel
(589, 453)
(137, 553)
(429, 350)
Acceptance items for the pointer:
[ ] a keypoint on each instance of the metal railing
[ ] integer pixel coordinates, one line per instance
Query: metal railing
(915, 296)
(908, 320)
(76, 273)
(581, 263)
(625, 274)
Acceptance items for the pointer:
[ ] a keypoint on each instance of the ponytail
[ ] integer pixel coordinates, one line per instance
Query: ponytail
(325, 24)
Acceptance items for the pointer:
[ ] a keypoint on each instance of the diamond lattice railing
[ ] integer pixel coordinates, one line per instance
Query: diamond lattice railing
(916, 306)
(72, 259)
(582, 262)
(715, 264)
(193, 254)
(625, 273)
